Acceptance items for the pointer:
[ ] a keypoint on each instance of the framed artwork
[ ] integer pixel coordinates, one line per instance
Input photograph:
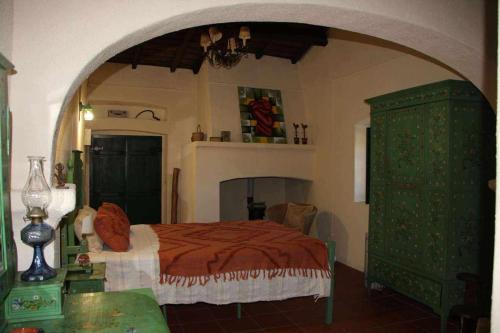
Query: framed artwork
(261, 114)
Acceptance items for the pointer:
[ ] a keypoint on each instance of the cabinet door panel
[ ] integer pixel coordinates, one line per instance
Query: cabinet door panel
(404, 151)
(403, 226)
(436, 183)
(405, 146)
(377, 183)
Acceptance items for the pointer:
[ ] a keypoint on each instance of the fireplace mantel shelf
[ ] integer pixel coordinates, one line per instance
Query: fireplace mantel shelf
(243, 145)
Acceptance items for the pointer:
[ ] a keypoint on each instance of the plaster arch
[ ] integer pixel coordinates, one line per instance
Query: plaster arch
(434, 43)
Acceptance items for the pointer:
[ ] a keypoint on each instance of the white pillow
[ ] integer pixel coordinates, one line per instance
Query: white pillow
(93, 240)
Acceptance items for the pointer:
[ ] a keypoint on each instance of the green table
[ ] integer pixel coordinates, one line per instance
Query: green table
(110, 312)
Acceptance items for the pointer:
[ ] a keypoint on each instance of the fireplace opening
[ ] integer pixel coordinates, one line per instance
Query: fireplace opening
(248, 198)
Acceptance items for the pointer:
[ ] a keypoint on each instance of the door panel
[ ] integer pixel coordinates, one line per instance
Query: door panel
(126, 170)
(404, 153)
(377, 183)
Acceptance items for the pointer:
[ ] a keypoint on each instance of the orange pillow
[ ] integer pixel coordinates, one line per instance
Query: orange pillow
(118, 212)
(111, 230)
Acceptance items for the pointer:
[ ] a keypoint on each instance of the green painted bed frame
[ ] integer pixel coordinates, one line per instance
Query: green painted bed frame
(70, 246)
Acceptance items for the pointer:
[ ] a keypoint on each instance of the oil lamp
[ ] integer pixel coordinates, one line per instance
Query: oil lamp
(36, 197)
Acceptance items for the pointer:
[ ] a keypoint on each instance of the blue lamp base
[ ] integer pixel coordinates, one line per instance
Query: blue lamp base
(39, 269)
(37, 234)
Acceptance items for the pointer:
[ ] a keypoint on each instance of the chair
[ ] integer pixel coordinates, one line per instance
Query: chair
(471, 310)
(298, 216)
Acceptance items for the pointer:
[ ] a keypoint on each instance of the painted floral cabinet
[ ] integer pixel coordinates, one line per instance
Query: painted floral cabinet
(431, 212)
(7, 248)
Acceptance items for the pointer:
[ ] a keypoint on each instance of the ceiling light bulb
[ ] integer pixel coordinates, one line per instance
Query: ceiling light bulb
(205, 41)
(215, 34)
(245, 33)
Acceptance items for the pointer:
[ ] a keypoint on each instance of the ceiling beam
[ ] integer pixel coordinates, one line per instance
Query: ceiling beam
(197, 64)
(259, 53)
(312, 39)
(182, 49)
(137, 56)
(300, 53)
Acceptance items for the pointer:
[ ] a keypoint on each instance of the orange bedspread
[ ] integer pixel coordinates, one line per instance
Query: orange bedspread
(194, 253)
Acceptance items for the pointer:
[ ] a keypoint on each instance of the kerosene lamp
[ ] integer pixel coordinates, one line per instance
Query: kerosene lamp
(36, 197)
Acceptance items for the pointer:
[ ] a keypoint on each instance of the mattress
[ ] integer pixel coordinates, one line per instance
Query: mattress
(140, 268)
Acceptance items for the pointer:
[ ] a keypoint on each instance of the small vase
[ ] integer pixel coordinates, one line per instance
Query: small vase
(304, 141)
(296, 140)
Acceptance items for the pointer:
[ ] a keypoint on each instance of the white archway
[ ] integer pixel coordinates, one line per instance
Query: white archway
(78, 37)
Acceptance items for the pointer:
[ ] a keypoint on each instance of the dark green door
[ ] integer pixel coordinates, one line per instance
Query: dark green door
(126, 170)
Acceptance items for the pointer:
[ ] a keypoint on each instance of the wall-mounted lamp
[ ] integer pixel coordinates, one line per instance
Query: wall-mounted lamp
(87, 110)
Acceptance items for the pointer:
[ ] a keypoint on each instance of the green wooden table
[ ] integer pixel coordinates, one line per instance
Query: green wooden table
(110, 312)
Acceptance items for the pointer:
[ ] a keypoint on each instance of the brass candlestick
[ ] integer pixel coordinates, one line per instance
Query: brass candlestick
(304, 139)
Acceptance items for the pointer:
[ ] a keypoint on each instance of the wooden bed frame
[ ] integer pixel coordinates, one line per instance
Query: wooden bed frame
(70, 246)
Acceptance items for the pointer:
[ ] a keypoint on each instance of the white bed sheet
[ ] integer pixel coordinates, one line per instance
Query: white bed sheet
(140, 268)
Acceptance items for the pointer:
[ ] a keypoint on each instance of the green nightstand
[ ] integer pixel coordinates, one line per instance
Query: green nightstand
(29, 301)
(78, 282)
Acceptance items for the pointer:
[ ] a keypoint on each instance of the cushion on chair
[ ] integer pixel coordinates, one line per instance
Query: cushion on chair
(94, 241)
(277, 213)
(300, 217)
(112, 228)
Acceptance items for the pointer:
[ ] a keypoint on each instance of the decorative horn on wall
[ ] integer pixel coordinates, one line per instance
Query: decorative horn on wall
(152, 114)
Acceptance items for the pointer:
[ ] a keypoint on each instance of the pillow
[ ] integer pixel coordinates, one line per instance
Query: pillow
(94, 241)
(112, 229)
(118, 212)
(299, 217)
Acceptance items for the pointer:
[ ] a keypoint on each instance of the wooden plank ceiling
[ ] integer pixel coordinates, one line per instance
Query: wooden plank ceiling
(181, 49)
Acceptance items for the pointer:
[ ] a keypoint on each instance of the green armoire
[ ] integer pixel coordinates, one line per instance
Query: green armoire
(8, 254)
(431, 211)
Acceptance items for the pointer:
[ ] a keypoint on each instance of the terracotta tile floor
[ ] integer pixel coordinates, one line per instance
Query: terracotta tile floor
(354, 312)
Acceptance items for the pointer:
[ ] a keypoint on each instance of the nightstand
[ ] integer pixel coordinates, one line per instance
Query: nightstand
(35, 300)
(77, 281)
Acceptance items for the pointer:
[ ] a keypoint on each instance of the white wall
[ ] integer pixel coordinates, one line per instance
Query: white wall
(268, 72)
(6, 25)
(334, 96)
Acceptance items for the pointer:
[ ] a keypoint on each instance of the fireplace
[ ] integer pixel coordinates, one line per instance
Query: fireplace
(237, 195)
(281, 173)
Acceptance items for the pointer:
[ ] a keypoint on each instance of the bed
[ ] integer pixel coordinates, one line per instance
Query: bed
(141, 265)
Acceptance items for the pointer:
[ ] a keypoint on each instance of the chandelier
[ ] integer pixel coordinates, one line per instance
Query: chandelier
(224, 52)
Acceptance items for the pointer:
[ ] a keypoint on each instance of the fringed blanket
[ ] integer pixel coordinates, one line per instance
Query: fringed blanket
(194, 253)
